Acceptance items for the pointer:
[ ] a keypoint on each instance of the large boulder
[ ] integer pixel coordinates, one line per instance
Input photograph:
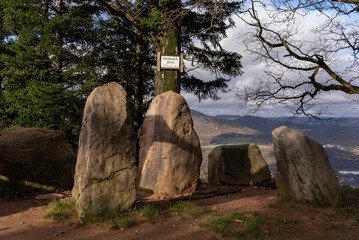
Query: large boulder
(105, 177)
(32, 158)
(170, 154)
(305, 172)
(237, 165)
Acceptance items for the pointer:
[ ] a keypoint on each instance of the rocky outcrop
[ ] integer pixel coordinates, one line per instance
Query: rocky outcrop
(170, 155)
(31, 157)
(305, 172)
(106, 162)
(237, 165)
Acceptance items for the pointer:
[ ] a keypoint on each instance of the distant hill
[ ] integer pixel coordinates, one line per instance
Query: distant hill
(342, 134)
(208, 127)
(236, 138)
(264, 125)
(224, 129)
(343, 160)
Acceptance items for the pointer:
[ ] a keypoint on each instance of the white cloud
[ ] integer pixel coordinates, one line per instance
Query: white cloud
(337, 103)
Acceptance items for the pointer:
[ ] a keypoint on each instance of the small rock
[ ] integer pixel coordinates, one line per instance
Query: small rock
(237, 165)
(21, 223)
(239, 221)
(173, 225)
(48, 197)
(55, 235)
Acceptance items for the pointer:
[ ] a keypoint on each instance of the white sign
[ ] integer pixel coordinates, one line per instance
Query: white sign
(170, 62)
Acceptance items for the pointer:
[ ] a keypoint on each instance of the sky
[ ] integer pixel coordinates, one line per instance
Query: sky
(337, 104)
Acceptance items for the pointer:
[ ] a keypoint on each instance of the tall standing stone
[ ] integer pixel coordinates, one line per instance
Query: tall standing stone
(305, 172)
(170, 154)
(237, 165)
(106, 162)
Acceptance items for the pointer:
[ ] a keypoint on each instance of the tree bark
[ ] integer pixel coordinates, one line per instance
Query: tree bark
(139, 82)
(58, 36)
(125, 69)
(45, 6)
(169, 44)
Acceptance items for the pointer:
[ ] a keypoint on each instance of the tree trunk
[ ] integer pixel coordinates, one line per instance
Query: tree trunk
(126, 82)
(139, 82)
(169, 80)
(45, 6)
(58, 35)
(2, 37)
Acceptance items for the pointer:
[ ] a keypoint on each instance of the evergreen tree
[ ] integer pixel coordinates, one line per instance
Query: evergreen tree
(43, 63)
(55, 52)
(171, 25)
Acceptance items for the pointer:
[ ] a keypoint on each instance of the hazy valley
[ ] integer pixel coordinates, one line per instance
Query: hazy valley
(338, 136)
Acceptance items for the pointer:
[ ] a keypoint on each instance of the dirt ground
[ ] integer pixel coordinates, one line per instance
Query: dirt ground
(24, 220)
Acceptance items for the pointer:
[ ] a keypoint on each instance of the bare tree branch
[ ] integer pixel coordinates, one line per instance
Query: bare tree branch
(316, 60)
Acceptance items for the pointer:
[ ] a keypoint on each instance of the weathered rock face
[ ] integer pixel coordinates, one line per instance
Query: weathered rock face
(305, 172)
(170, 154)
(237, 165)
(106, 162)
(37, 156)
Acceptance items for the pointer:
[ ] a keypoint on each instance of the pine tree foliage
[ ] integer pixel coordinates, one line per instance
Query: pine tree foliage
(171, 26)
(208, 53)
(42, 74)
(53, 53)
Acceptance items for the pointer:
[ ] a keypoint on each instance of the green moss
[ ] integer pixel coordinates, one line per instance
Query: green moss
(349, 189)
(61, 209)
(235, 225)
(149, 213)
(349, 211)
(283, 193)
(186, 208)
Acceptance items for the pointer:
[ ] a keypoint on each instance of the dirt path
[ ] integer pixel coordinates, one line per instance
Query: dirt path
(23, 220)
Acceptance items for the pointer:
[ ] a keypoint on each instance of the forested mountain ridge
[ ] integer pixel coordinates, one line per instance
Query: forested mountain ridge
(343, 132)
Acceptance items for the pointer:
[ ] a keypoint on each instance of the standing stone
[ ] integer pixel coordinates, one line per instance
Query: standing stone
(237, 165)
(305, 172)
(106, 162)
(36, 157)
(170, 154)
